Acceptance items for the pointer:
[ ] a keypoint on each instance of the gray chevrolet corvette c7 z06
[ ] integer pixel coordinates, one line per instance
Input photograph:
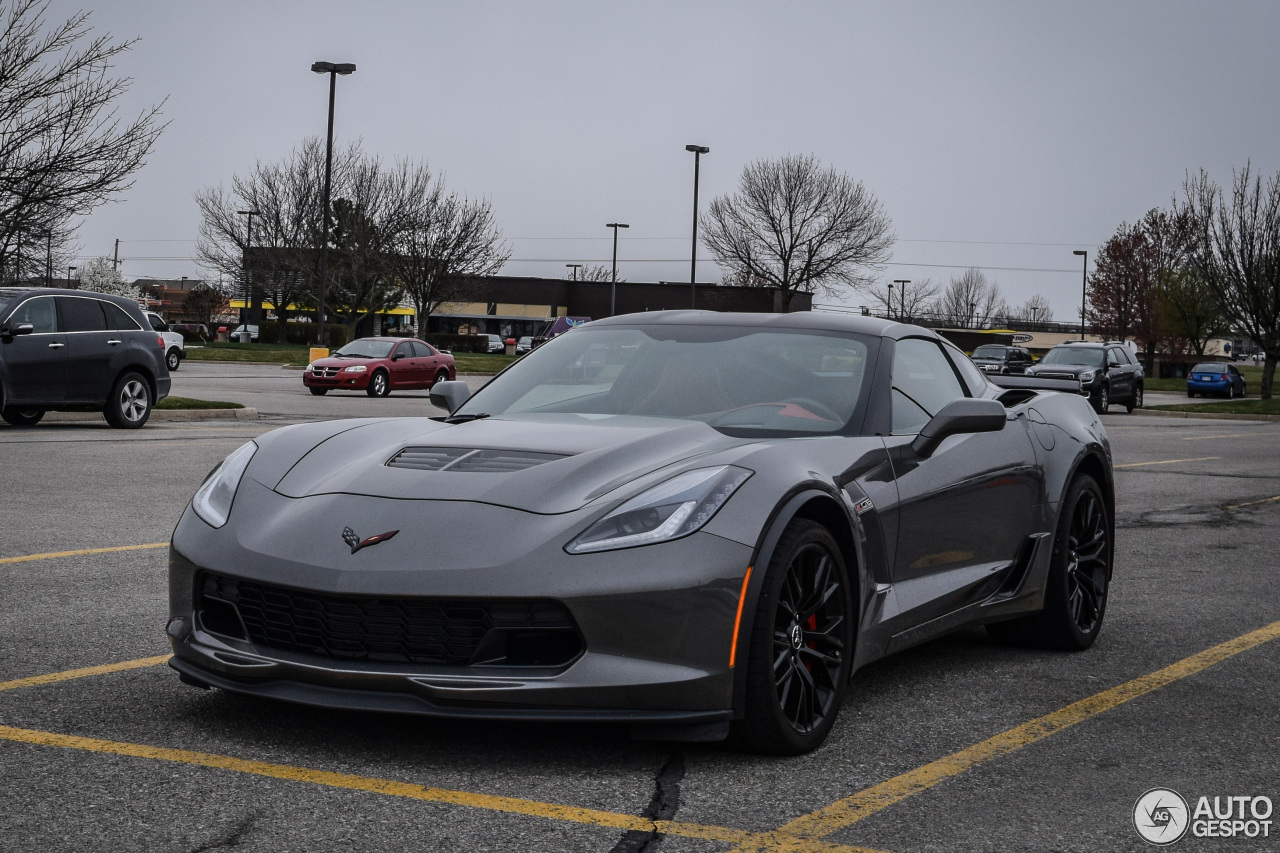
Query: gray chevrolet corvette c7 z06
(691, 522)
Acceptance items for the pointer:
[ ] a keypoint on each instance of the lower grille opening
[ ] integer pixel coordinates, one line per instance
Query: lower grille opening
(375, 629)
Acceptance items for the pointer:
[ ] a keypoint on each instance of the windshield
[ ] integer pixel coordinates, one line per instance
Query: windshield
(728, 377)
(1085, 356)
(996, 353)
(366, 349)
(1209, 368)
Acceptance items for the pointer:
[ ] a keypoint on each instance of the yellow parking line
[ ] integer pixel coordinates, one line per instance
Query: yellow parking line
(55, 554)
(85, 672)
(1168, 461)
(1232, 435)
(1255, 503)
(388, 787)
(844, 813)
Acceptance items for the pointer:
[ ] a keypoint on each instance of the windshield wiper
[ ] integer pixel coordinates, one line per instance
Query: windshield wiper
(462, 419)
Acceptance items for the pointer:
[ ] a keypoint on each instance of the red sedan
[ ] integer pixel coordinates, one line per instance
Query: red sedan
(379, 365)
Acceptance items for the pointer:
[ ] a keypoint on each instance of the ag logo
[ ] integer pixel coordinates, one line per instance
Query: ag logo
(354, 541)
(1161, 816)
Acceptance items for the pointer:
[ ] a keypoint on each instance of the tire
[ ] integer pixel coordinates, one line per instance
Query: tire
(172, 359)
(379, 384)
(441, 376)
(1135, 402)
(1102, 400)
(1074, 602)
(1191, 393)
(21, 417)
(318, 392)
(792, 712)
(129, 405)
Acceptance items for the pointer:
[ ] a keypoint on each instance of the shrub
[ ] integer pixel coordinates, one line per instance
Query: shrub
(457, 343)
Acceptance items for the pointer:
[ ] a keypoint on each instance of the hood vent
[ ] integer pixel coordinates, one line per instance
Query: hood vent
(473, 461)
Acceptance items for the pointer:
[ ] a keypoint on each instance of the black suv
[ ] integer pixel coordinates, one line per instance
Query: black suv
(994, 358)
(1107, 372)
(71, 350)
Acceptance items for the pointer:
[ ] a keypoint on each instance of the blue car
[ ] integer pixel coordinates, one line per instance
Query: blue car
(1213, 377)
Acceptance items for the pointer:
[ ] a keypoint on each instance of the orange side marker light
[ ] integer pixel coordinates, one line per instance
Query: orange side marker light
(742, 598)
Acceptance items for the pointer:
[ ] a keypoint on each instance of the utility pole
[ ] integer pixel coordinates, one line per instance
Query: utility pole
(115, 260)
(697, 151)
(48, 268)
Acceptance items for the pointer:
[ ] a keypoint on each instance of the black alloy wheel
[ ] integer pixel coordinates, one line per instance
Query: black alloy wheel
(129, 405)
(1075, 596)
(173, 359)
(378, 384)
(441, 376)
(20, 416)
(1135, 402)
(801, 644)
(318, 392)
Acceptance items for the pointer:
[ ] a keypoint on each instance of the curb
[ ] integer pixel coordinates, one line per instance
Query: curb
(159, 414)
(1221, 416)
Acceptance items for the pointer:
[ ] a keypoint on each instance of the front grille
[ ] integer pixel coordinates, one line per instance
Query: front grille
(436, 631)
(469, 460)
(1043, 375)
(325, 372)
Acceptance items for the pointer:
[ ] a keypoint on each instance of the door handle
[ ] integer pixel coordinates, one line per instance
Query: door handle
(113, 343)
(56, 346)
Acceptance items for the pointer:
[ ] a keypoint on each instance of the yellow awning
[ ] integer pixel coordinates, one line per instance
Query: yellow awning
(267, 306)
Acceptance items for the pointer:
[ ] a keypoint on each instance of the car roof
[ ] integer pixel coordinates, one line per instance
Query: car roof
(828, 321)
(122, 301)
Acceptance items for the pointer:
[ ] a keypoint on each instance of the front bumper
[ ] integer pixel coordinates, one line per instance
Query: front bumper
(351, 381)
(656, 622)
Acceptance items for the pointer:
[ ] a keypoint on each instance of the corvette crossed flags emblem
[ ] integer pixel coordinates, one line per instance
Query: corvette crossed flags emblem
(349, 536)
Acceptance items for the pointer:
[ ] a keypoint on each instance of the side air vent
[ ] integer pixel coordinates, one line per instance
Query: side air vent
(469, 461)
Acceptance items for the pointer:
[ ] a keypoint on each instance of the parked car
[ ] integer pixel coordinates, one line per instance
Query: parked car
(1215, 377)
(175, 346)
(379, 366)
(1107, 372)
(633, 524)
(524, 345)
(994, 358)
(70, 350)
(496, 343)
(198, 329)
(234, 336)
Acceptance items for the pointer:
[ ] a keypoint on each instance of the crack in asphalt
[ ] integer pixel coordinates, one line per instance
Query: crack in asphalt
(663, 806)
(233, 839)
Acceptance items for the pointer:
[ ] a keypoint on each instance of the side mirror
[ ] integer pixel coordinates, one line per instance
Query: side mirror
(397, 356)
(959, 417)
(22, 329)
(451, 395)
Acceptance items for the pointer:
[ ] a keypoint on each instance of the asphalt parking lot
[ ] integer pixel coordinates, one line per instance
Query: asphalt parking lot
(956, 745)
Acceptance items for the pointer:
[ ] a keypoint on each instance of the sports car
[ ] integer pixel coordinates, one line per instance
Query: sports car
(690, 522)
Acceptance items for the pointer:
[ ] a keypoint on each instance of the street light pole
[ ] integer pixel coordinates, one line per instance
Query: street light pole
(1084, 285)
(698, 151)
(575, 268)
(613, 287)
(889, 313)
(902, 286)
(70, 270)
(48, 267)
(246, 316)
(333, 69)
(973, 309)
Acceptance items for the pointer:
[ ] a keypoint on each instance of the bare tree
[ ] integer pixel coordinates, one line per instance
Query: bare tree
(1035, 310)
(205, 301)
(1189, 311)
(970, 300)
(599, 272)
(281, 255)
(63, 149)
(1236, 250)
(800, 227)
(445, 240)
(904, 301)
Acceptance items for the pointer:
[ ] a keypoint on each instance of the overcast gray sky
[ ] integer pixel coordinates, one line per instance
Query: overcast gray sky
(1001, 135)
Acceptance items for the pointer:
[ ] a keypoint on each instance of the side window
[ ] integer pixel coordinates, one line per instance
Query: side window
(1117, 355)
(118, 319)
(423, 350)
(973, 377)
(923, 382)
(81, 314)
(39, 312)
(157, 324)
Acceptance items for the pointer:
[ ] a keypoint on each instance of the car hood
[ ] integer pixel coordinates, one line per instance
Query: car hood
(331, 361)
(1074, 369)
(546, 464)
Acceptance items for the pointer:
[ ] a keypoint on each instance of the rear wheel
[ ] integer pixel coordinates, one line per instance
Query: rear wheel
(18, 416)
(378, 385)
(441, 376)
(319, 392)
(801, 644)
(172, 359)
(129, 405)
(1190, 393)
(1075, 598)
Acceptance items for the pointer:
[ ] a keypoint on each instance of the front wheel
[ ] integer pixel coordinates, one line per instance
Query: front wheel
(173, 359)
(378, 385)
(318, 392)
(21, 417)
(1075, 595)
(129, 405)
(1102, 400)
(1135, 402)
(801, 644)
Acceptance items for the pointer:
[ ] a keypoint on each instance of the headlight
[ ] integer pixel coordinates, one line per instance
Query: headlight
(667, 511)
(355, 368)
(213, 500)
(311, 368)
(1087, 376)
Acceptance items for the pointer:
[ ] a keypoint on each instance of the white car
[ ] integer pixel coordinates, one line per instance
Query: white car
(175, 349)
